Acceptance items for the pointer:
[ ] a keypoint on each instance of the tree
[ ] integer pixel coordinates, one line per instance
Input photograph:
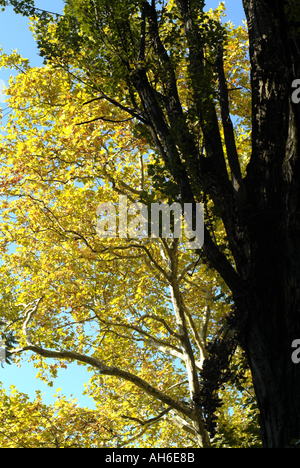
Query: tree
(129, 56)
(97, 300)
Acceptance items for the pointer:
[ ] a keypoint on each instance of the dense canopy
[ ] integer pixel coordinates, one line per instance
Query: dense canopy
(152, 102)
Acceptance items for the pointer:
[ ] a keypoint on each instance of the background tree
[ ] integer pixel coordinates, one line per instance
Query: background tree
(134, 56)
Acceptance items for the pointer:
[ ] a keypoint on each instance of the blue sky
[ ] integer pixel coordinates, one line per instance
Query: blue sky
(16, 35)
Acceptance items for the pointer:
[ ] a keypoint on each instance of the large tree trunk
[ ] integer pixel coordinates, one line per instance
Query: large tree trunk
(276, 378)
(272, 222)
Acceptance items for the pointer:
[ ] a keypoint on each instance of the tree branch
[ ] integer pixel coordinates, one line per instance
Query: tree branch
(112, 371)
(102, 368)
(141, 332)
(232, 154)
(150, 421)
(104, 120)
(205, 319)
(206, 112)
(161, 320)
(182, 424)
(175, 353)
